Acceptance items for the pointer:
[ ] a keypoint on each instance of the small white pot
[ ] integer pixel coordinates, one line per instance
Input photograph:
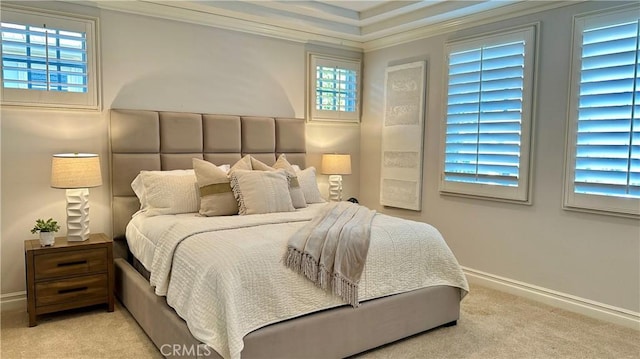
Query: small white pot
(47, 238)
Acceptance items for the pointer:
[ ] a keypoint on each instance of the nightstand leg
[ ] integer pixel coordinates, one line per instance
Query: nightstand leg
(32, 319)
(31, 288)
(111, 274)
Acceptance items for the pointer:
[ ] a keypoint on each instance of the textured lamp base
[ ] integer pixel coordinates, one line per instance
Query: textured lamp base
(77, 214)
(335, 188)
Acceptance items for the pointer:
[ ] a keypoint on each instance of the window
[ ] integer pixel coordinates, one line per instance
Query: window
(603, 146)
(489, 116)
(334, 89)
(48, 60)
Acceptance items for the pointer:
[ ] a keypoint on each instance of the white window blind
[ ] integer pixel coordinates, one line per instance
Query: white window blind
(47, 60)
(335, 89)
(489, 95)
(604, 149)
(43, 59)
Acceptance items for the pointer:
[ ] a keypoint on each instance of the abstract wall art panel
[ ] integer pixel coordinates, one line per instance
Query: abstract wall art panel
(402, 136)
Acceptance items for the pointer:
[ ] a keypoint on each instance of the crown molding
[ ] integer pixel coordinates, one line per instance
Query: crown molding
(225, 20)
(395, 24)
(465, 22)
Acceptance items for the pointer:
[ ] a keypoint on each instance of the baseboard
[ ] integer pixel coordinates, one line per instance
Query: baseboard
(590, 308)
(13, 301)
(556, 299)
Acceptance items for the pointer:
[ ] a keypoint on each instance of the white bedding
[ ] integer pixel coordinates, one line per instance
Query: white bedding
(225, 276)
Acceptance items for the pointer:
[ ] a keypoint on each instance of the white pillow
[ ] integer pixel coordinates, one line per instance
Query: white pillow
(309, 185)
(224, 168)
(166, 192)
(261, 191)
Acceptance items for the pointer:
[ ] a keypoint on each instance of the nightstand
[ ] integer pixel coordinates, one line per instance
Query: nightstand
(68, 275)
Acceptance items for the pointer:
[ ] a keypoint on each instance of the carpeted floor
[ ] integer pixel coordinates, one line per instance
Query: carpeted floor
(492, 325)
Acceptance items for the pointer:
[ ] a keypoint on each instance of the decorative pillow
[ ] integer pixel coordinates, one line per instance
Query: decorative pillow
(261, 191)
(297, 197)
(225, 168)
(166, 192)
(242, 164)
(216, 196)
(258, 165)
(309, 185)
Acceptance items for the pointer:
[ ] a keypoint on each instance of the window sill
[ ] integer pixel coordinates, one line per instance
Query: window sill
(527, 202)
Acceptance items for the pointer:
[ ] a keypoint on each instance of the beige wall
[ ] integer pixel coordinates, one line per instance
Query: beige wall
(163, 65)
(149, 63)
(595, 257)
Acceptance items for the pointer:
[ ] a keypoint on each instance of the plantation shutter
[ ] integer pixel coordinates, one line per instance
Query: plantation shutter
(43, 59)
(48, 60)
(489, 95)
(607, 159)
(335, 89)
(484, 115)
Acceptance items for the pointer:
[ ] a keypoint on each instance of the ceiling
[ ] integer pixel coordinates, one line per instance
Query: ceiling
(357, 24)
(355, 5)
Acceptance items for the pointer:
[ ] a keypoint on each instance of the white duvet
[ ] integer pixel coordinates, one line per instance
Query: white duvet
(225, 276)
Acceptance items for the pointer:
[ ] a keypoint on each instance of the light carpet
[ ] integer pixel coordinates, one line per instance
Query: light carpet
(492, 325)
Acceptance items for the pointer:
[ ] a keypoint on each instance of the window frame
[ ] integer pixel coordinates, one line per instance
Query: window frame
(90, 100)
(592, 203)
(330, 115)
(520, 194)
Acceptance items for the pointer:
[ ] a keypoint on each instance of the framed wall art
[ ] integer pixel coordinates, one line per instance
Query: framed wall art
(403, 136)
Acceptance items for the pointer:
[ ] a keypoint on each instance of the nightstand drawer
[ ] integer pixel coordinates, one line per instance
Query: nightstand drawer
(70, 263)
(72, 290)
(68, 275)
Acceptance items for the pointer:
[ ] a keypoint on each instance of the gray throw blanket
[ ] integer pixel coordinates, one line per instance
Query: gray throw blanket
(331, 249)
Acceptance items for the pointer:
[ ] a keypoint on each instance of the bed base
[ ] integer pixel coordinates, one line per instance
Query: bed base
(334, 333)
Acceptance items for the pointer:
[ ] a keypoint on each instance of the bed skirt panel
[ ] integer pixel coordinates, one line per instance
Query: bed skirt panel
(159, 321)
(376, 322)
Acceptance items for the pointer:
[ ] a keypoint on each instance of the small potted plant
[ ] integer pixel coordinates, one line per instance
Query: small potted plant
(47, 230)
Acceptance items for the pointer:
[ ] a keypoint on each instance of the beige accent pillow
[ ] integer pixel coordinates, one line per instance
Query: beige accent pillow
(166, 192)
(216, 196)
(242, 164)
(297, 196)
(258, 165)
(309, 185)
(261, 191)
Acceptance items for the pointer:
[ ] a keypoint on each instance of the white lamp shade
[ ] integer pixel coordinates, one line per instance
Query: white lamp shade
(336, 164)
(75, 170)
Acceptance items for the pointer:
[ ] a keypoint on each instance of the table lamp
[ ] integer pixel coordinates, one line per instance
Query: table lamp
(336, 165)
(76, 172)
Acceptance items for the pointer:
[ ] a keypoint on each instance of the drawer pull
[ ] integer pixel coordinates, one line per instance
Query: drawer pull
(71, 290)
(66, 264)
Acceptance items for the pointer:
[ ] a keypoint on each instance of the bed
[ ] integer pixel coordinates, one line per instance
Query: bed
(143, 140)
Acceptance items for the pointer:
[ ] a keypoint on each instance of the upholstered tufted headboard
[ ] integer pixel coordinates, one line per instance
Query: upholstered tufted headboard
(152, 140)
